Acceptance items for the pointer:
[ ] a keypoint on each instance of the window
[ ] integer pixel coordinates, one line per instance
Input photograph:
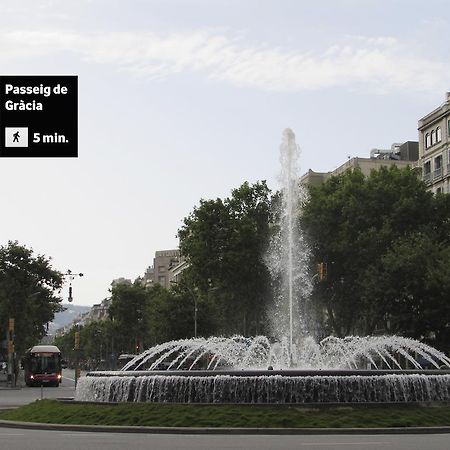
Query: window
(427, 172)
(438, 134)
(438, 162)
(433, 137)
(162, 280)
(427, 140)
(161, 269)
(439, 190)
(438, 166)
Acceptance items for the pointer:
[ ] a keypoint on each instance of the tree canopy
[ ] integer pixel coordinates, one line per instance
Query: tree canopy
(385, 241)
(29, 289)
(225, 242)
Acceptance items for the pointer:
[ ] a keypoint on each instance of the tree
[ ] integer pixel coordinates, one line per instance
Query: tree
(127, 311)
(361, 228)
(225, 242)
(409, 289)
(180, 309)
(146, 316)
(165, 317)
(28, 293)
(66, 343)
(97, 350)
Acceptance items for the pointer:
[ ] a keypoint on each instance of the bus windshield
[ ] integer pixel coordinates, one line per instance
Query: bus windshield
(44, 363)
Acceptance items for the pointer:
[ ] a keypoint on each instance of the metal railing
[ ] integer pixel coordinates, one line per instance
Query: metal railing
(437, 173)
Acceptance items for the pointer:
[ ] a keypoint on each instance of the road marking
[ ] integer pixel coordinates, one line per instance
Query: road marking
(12, 434)
(76, 434)
(87, 434)
(67, 378)
(345, 443)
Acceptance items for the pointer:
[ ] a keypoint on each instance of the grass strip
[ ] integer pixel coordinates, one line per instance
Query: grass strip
(172, 415)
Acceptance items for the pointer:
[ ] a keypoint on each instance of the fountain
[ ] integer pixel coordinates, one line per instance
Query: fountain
(288, 255)
(235, 369)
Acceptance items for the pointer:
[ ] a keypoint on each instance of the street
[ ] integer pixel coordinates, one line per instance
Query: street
(16, 439)
(21, 396)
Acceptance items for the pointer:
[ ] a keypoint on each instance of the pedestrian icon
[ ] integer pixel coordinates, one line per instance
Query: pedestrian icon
(16, 137)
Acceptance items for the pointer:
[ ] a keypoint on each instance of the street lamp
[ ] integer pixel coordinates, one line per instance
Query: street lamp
(71, 276)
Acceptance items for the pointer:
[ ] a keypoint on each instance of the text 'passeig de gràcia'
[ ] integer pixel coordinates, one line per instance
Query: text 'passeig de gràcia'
(31, 105)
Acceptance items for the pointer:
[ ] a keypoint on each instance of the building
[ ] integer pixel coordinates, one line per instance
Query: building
(177, 270)
(400, 155)
(99, 311)
(120, 280)
(162, 271)
(434, 147)
(96, 313)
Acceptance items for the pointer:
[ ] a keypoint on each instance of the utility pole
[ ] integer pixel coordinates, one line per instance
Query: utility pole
(11, 350)
(77, 356)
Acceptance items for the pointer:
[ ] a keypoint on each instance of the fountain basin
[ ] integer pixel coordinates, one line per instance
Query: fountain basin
(262, 386)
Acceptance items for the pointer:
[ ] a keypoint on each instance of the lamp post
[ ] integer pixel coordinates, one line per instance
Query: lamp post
(11, 351)
(77, 353)
(71, 276)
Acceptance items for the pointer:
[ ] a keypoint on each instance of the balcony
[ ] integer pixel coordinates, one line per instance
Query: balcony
(437, 173)
(427, 178)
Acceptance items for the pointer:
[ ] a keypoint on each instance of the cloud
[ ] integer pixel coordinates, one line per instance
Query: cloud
(381, 64)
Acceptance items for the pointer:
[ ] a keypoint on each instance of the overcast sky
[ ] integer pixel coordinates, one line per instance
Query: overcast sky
(187, 99)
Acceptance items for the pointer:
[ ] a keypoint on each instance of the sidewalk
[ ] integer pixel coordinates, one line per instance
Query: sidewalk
(4, 381)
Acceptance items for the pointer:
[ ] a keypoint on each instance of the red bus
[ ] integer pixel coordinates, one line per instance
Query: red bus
(42, 366)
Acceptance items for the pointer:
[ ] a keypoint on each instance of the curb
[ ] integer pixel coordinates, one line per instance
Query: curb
(234, 431)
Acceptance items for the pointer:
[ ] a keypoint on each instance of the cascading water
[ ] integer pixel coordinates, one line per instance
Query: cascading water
(233, 369)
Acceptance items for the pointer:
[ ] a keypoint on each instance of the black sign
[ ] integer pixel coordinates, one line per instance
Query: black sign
(38, 116)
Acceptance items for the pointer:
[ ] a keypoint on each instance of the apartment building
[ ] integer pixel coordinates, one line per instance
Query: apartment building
(434, 148)
(162, 271)
(400, 154)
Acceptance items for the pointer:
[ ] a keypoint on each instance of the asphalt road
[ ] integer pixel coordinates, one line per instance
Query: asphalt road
(24, 395)
(15, 439)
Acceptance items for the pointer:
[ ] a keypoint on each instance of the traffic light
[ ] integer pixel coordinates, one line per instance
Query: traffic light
(322, 271)
(319, 271)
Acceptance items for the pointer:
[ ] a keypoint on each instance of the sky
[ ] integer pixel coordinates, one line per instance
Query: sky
(187, 99)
